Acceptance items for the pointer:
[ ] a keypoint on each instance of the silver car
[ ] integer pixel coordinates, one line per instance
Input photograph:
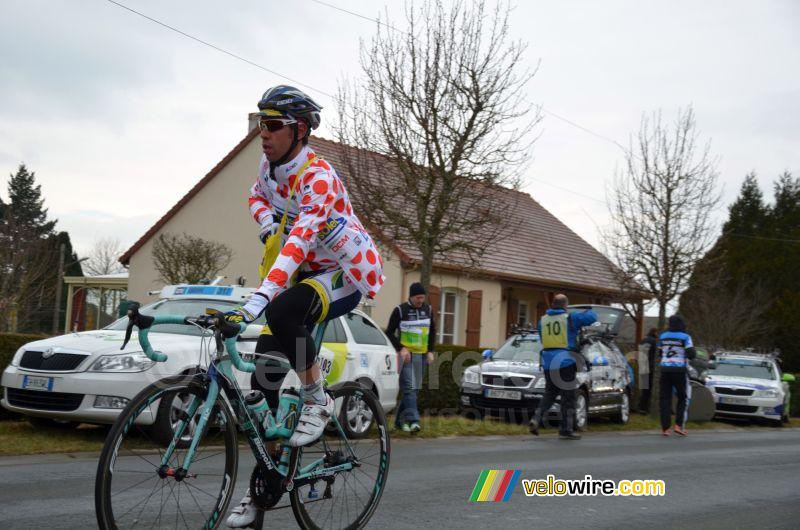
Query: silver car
(750, 385)
(510, 381)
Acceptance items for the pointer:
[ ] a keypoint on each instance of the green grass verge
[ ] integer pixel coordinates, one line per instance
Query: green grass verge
(21, 438)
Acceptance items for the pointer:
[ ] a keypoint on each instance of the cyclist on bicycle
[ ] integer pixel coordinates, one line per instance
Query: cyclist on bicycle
(327, 261)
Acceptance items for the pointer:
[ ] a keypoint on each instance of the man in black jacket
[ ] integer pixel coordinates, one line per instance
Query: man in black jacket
(414, 322)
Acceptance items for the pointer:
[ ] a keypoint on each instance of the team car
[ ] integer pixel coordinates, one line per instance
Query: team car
(85, 377)
(750, 385)
(510, 382)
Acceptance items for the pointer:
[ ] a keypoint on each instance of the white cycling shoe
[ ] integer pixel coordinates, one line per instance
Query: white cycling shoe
(243, 515)
(312, 422)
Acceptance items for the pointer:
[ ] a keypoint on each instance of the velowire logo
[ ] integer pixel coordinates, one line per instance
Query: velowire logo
(495, 485)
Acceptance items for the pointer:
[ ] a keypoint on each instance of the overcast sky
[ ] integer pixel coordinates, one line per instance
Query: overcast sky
(119, 117)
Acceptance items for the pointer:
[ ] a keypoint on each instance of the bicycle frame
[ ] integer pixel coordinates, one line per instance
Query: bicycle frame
(220, 378)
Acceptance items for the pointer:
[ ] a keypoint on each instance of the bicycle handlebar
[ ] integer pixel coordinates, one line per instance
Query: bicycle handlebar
(229, 330)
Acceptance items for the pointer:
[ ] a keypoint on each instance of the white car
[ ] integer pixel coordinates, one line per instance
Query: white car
(748, 385)
(84, 377)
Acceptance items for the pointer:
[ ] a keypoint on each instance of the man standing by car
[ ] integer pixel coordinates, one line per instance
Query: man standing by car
(677, 350)
(559, 333)
(414, 322)
(648, 346)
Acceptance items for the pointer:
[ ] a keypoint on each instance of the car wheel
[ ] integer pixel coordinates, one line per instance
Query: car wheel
(776, 423)
(50, 423)
(355, 417)
(581, 411)
(624, 413)
(168, 418)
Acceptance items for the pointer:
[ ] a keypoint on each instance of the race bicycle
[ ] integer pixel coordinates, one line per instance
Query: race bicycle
(145, 481)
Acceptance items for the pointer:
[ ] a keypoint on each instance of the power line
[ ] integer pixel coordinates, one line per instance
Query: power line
(595, 199)
(300, 83)
(581, 127)
(247, 61)
(221, 50)
(565, 120)
(360, 16)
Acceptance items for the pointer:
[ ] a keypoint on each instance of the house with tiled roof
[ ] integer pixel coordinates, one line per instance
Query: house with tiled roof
(477, 305)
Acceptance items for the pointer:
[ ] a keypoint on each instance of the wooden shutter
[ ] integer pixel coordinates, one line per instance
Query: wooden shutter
(512, 314)
(474, 299)
(433, 300)
(541, 309)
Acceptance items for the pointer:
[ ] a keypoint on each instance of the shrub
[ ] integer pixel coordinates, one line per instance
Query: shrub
(440, 387)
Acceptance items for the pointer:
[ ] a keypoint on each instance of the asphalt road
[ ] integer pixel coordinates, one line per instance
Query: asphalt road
(719, 479)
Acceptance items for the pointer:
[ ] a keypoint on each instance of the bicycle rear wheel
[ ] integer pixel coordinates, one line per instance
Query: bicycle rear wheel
(345, 499)
(133, 489)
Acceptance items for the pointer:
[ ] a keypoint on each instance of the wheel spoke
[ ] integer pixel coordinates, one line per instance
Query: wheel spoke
(353, 491)
(130, 504)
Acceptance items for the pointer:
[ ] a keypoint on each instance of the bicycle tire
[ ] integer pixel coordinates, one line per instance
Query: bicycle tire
(127, 431)
(299, 496)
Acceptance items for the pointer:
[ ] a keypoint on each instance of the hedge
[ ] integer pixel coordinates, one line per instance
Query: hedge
(794, 405)
(9, 344)
(445, 374)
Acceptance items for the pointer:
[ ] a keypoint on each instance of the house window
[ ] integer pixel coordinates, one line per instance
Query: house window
(523, 314)
(448, 317)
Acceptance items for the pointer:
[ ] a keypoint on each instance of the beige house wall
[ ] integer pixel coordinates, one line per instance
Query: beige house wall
(219, 212)
(392, 291)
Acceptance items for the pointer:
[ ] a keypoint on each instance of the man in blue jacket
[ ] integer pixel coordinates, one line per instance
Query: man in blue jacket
(559, 333)
(677, 349)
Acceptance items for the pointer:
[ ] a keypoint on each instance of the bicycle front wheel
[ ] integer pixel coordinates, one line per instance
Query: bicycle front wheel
(134, 488)
(343, 498)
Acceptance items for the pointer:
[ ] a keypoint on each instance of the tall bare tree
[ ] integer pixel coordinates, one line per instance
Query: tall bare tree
(661, 204)
(189, 259)
(104, 258)
(442, 104)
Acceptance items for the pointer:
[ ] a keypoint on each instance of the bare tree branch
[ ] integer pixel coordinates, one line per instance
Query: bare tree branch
(104, 258)
(438, 127)
(660, 205)
(189, 259)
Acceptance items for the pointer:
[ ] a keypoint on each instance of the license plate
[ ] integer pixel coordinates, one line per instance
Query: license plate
(503, 394)
(37, 383)
(733, 400)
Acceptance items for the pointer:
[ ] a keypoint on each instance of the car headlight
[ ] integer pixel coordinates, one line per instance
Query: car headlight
(471, 377)
(768, 393)
(125, 362)
(17, 357)
(540, 383)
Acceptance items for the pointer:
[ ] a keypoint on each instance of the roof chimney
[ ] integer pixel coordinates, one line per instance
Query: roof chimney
(252, 121)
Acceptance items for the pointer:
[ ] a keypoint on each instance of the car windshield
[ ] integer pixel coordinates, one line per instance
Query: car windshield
(186, 307)
(519, 348)
(737, 368)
